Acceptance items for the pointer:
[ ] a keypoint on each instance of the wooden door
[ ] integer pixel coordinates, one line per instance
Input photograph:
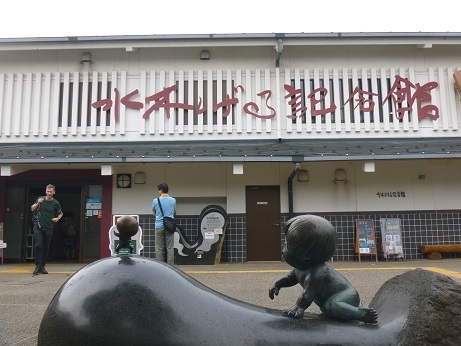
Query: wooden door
(263, 223)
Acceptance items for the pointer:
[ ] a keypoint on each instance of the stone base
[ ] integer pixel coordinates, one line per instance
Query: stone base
(423, 305)
(132, 300)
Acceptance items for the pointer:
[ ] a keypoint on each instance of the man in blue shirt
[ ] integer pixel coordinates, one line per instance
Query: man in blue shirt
(163, 239)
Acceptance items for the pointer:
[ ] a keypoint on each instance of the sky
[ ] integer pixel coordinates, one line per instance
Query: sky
(58, 18)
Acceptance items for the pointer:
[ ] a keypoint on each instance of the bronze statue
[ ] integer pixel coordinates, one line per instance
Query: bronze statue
(135, 300)
(310, 241)
(127, 226)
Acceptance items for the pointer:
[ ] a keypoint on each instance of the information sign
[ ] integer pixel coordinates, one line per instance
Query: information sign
(365, 238)
(391, 235)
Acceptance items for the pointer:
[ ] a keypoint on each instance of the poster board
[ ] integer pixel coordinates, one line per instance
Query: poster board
(391, 238)
(365, 238)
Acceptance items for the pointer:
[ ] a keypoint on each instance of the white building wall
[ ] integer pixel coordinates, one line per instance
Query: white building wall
(426, 185)
(215, 182)
(447, 192)
(321, 193)
(30, 82)
(167, 58)
(358, 56)
(193, 185)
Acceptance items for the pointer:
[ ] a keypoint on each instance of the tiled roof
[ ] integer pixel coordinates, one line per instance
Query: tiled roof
(227, 151)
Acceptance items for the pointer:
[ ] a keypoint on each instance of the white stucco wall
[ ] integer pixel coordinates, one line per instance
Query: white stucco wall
(261, 57)
(196, 185)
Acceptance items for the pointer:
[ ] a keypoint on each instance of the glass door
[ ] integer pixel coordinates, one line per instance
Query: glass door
(15, 222)
(91, 240)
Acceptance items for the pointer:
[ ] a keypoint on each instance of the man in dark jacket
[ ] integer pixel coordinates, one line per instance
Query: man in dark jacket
(48, 213)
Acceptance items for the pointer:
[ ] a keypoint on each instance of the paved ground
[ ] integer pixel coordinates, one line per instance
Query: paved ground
(24, 297)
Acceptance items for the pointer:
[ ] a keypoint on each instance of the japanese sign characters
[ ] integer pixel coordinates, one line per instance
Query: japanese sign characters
(393, 194)
(404, 95)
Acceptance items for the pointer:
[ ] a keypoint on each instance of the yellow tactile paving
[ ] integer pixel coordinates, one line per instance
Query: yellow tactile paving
(28, 269)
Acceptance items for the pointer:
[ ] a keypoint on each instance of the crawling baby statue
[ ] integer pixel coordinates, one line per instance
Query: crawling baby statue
(310, 241)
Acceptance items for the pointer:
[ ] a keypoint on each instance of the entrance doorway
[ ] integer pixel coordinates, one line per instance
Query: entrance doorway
(76, 237)
(65, 244)
(263, 223)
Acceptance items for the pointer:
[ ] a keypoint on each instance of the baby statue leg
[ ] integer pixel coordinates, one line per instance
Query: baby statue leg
(345, 306)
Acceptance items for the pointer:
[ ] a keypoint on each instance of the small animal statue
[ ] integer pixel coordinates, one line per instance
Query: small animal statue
(127, 227)
(310, 241)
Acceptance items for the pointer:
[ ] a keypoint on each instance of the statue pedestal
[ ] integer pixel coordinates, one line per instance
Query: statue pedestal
(129, 300)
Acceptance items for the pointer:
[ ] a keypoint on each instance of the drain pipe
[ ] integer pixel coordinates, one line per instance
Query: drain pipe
(278, 49)
(290, 189)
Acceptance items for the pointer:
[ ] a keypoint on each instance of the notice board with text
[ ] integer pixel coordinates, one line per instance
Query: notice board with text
(391, 238)
(365, 238)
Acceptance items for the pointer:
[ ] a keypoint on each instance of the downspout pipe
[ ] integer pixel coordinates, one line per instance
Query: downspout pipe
(278, 49)
(290, 189)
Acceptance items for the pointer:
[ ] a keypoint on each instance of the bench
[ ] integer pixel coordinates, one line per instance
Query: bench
(434, 252)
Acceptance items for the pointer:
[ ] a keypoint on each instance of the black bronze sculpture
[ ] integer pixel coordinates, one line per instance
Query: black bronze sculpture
(127, 227)
(133, 300)
(205, 249)
(310, 241)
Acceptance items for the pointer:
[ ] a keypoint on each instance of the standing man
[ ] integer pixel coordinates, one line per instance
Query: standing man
(163, 239)
(49, 213)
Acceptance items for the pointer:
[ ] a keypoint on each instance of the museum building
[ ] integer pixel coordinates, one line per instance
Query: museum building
(348, 126)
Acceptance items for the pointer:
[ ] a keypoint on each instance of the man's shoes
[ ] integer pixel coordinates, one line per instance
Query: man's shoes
(39, 269)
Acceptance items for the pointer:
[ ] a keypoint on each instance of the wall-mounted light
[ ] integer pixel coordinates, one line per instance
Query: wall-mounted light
(368, 167)
(106, 169)
(302, 176)
(238, 168)
(86, 58)
(205, 55)
(5, 171)
(140, 178)
(340, 176)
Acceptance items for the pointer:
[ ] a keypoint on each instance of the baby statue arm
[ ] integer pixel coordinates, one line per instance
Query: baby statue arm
(285, 281)
(304, 301)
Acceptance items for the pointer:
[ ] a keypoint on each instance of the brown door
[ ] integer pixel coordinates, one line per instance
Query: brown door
(263, 223)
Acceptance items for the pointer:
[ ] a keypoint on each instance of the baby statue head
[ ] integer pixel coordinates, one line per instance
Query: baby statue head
(127, 226)
(310, 239)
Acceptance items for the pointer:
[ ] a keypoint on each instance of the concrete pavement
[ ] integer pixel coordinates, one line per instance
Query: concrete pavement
(25, 297)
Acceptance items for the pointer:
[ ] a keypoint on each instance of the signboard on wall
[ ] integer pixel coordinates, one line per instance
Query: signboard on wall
(136, 240)
(391, 235)
(365, 238)
(93, 207)
(209, 239)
